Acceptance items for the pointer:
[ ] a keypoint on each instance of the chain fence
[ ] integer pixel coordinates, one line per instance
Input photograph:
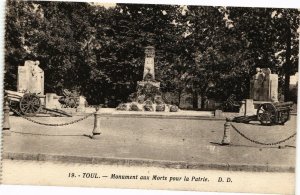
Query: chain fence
(87, 116)
(51, 124)
(261, 143)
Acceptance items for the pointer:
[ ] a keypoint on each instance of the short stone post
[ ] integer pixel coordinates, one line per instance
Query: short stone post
(96, 130)
(218, 113)
(6, 124)
(249, 107)
(226, 136)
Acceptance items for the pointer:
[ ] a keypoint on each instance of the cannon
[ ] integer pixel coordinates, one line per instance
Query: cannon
(70, 99)
(30, 104)
(269, 114)
(274, 113)
(27, 103)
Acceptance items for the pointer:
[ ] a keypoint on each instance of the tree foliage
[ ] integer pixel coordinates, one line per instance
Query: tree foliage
(207, 51)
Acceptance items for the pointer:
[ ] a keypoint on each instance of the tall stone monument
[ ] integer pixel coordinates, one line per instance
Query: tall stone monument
(149, 72)
(30, 78)
(148, 96)
(149, 62)
(264, 86)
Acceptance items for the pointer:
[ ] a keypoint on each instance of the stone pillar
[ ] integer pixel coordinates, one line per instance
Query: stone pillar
(242, 110)
(226, 135)
(249, 107)
(96, 130)
(149, 61)
(273, 87)
(81, 106)
(218, 113)
(52, 101)
(23, 78)
(6, 124)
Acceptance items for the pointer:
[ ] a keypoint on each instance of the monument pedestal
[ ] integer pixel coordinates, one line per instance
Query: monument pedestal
(143, 83)
(52, 101)
(82, 104)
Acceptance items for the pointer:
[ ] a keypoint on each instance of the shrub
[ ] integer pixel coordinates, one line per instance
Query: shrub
(160, 107)
(122, 106)
(173, 108)
(134, 107)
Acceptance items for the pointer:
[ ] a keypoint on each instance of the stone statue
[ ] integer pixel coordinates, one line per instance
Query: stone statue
(264, 86)
(148, 76)
(31, 77)
(258, 81)
(35, 70)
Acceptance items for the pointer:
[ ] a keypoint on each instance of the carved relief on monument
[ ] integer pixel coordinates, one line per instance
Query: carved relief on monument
(149, 62)
(31, 77)
(264, 85)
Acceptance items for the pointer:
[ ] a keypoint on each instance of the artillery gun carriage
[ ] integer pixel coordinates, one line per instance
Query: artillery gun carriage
(30, 104)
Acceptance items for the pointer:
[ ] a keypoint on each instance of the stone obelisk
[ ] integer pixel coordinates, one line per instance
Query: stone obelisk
(149, 62)
(149, 73)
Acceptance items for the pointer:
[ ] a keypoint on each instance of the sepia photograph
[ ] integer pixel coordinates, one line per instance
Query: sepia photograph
(150, 96)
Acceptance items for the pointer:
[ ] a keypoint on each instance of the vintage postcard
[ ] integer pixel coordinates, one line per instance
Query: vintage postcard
(150, 96)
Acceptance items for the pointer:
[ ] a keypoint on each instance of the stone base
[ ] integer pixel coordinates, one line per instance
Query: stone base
(80, 109)
(154, 83)
(247, 108)
(74, 111)
(52, 102)
(218, 113)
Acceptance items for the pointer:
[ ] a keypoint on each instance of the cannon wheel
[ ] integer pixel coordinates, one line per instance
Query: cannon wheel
(284, 117)
(73, 102)
(266, 114)
(30, 104)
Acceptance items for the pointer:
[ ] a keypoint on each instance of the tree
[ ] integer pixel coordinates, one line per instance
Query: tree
(23, 21)
(54, 33)
(286, 21)
(271, 38)
(131, 29)
(206, 51)
(213, 69)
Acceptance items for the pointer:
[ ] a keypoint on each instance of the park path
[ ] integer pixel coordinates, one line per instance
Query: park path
(179, 143)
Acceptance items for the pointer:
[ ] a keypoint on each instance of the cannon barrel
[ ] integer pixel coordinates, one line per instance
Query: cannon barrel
(284, 104)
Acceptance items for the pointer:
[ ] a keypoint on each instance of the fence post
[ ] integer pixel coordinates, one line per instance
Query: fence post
(226, 136)
(96, 130)
(6, 124)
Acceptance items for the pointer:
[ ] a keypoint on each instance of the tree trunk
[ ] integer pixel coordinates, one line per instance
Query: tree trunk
(195, 100)
(179, 97)
(203, 101)
(287, 66)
